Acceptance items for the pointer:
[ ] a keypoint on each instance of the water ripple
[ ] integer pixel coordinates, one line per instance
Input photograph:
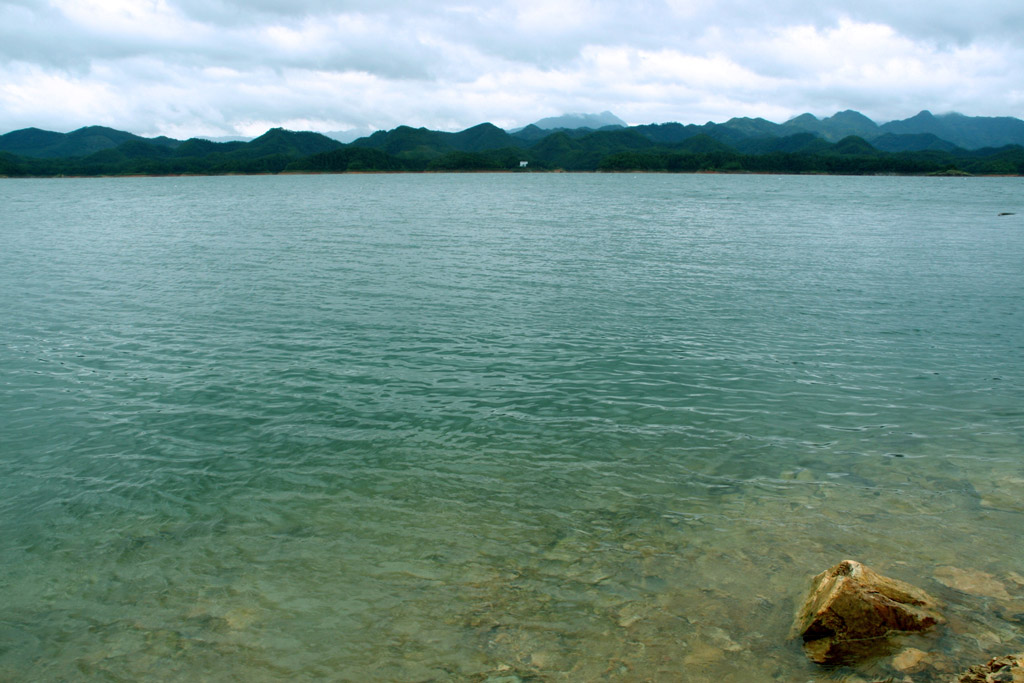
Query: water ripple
(460, 423)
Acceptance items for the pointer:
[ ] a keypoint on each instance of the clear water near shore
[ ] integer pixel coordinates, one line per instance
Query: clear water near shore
(500, 427)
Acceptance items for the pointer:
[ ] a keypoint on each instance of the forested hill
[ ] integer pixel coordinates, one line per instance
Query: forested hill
(33, 142)
(802, 145)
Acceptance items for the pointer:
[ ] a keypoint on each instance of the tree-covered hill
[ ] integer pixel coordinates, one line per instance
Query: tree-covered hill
(912, 142)
(968, 132)
(481, 138)
(850, 156)
(791, 144)
(277, 148)
(33, 142)
(833, 128)
(670, 147)
(425, 145)
(269, 153)
(286, 142)
(351, 159)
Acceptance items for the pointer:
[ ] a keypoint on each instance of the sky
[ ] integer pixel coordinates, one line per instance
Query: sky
(208, 68)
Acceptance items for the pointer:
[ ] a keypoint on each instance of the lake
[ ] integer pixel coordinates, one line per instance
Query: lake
(501, 427)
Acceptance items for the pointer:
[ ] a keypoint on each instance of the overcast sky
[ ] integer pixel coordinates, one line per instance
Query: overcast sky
(220, 67)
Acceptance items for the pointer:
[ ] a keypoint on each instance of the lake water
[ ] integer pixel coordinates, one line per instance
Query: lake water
(502, 427)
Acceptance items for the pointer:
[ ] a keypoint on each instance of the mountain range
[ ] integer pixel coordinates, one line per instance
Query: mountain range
(945, 131)
(571, 142)
(572, 121)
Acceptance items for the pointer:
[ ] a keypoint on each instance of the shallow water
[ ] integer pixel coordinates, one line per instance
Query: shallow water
(500, 427)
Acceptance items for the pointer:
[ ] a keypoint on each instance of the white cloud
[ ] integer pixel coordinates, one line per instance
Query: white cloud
(217, 67)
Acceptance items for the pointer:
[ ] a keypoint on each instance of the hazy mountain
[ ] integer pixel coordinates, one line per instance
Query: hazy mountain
(753, 128)
(833, 128)
(969, 132)
(571, 121)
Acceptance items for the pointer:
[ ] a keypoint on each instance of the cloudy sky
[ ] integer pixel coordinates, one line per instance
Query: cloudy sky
(221, 67)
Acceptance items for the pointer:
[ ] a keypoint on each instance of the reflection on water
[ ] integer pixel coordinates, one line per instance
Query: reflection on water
(509, 428)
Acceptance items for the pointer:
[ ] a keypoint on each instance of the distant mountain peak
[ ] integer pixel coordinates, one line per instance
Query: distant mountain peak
(803, 118)
(486, 125)
(850, 115)
(968, 132)
(572, 121)
(834, 128)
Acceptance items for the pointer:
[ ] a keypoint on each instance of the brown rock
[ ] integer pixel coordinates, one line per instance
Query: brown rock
(1009, 669)
(851, 611)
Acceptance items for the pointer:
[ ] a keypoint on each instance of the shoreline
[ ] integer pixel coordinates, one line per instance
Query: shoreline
(940, 174)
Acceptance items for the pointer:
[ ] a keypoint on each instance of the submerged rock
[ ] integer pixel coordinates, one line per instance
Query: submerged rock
(1009, 669)
(910, 660)
(851, 612)
(972, 581)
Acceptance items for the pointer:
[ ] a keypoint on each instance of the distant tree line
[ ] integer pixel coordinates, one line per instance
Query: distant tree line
(487, 148)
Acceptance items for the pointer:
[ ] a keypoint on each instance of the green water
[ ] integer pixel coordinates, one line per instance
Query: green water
(500, 427)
